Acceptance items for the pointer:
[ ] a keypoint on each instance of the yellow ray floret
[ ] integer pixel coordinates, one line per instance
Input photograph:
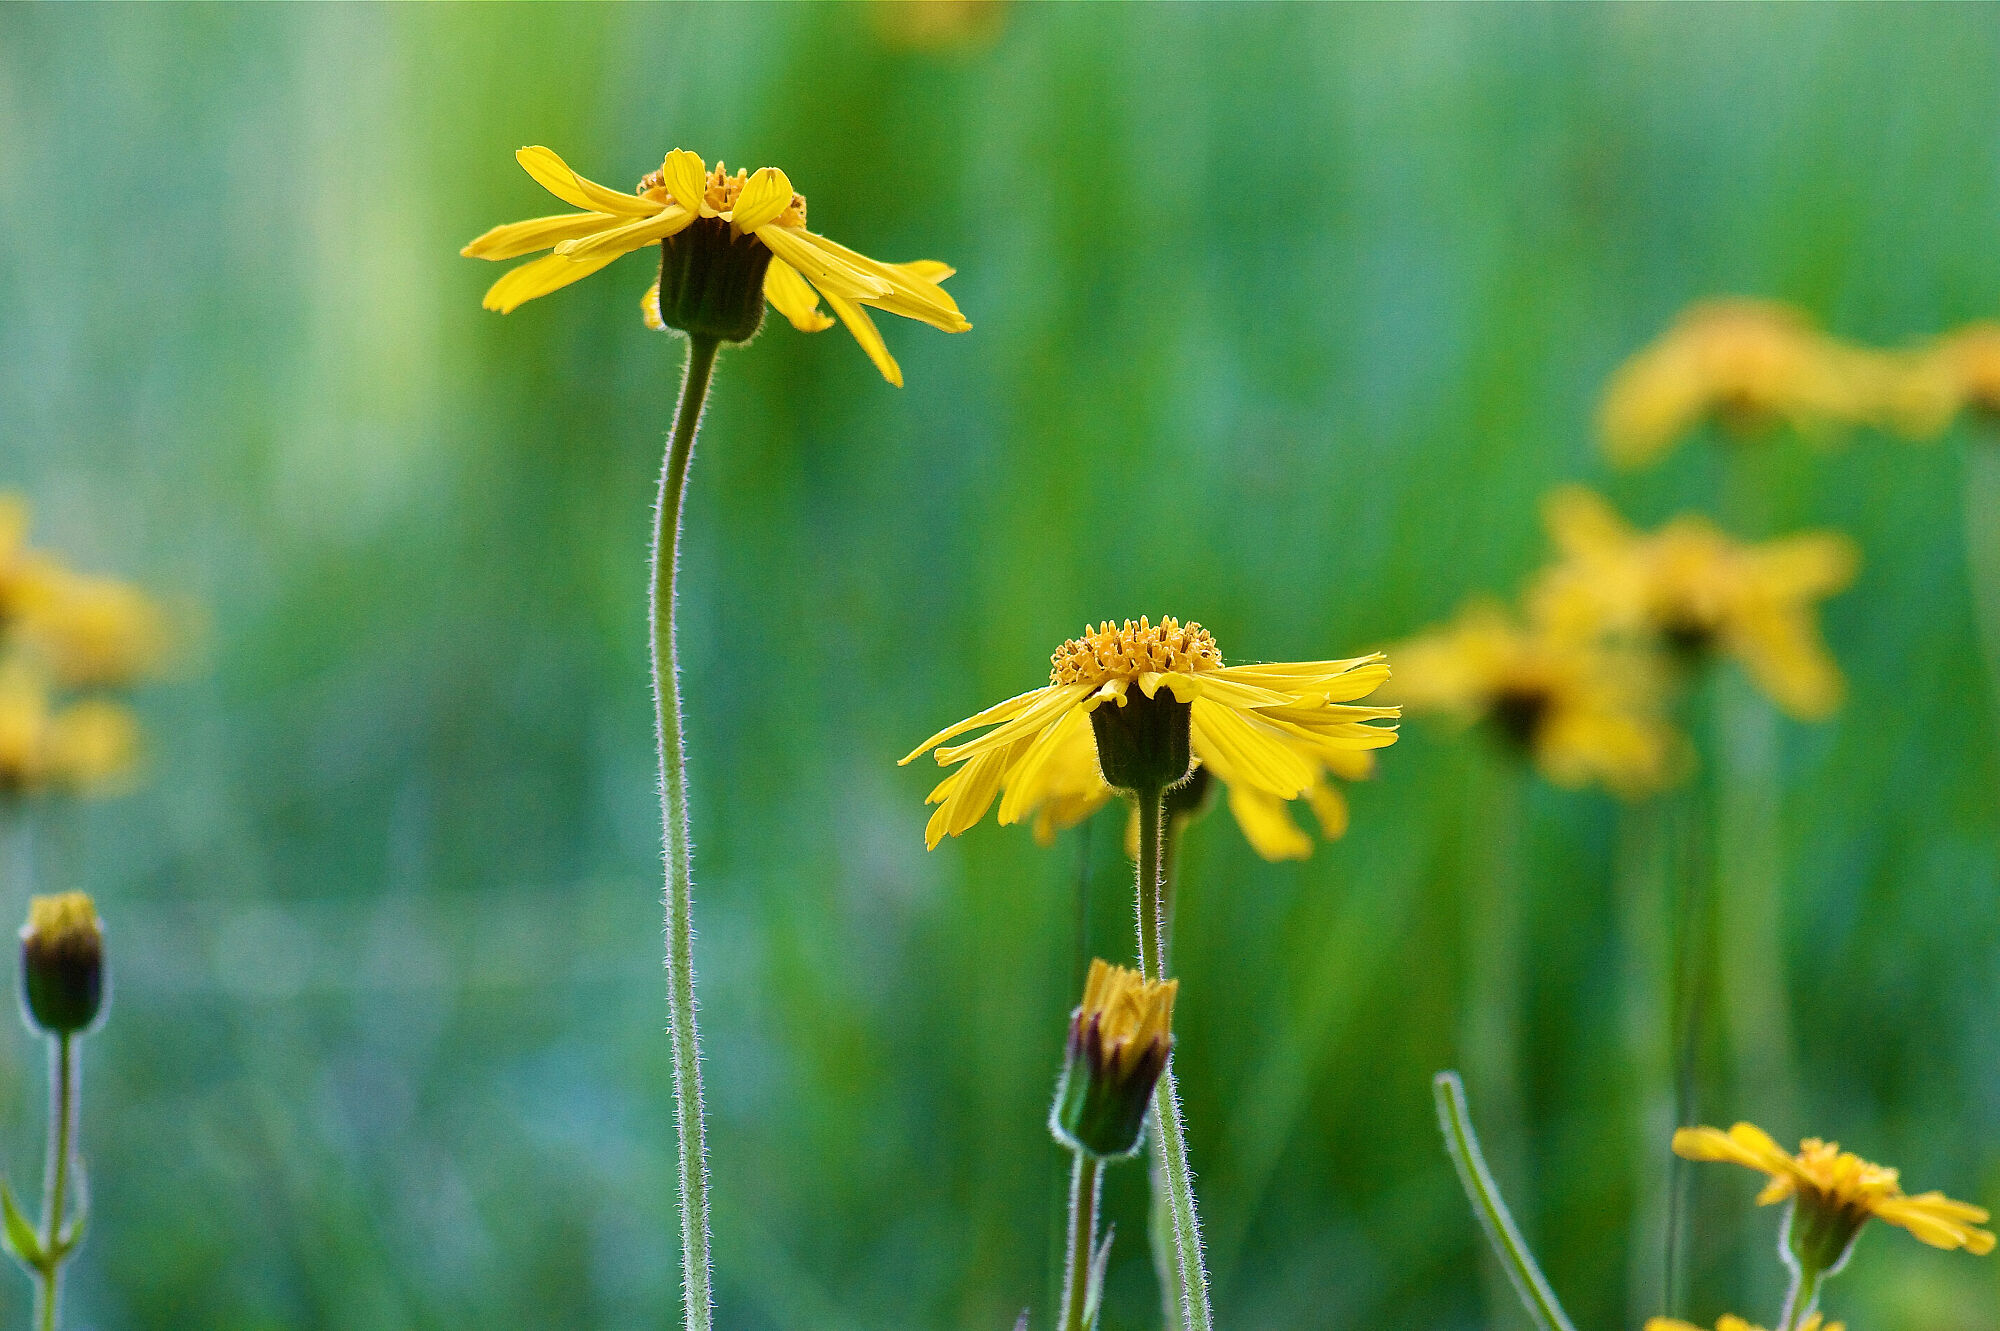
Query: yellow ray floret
(804, 266)
(1132, 1013)
(1829, 1180)
(1746, 363)
(1731, 1322)
(1266, 728)
(1690, 586)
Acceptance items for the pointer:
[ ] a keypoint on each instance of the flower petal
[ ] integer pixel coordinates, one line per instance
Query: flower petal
(1267, 826)
(1252, 750)
(865, 332)
(829, 272)
(538, 277)
(791, 296)
(999, 711)
(1054, 700)
(634, 235)
(687, 181)
(513, 239)
(766, 194)
(553, 174)
(927, 270)
(649, 308)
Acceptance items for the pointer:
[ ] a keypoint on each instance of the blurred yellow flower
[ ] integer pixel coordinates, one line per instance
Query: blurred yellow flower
(718, 232)
(1581, 712)
(1270, 728)
(93, 632)
(1074, 789)
(1836, 1192)
(85, 748)
(1694, 589)
(1747, 364)
(1731, 1322)
(1959, 372)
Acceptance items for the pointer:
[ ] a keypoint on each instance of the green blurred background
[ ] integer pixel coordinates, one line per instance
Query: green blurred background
(1285, 318)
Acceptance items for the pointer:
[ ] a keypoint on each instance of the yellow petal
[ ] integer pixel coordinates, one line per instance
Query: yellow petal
(514, 239)
(927, 270)
(829, 272)
(865, 332)
(1330, 807)
(1267, 826)
(553, 174)
(1044, 711)
(999, 711)
(905, 294)
(1252, 749)
(649, 308)
(790, 296)
(766, 194)
(539, 277)
(687, 181)
(635, 235)
(1028, 785)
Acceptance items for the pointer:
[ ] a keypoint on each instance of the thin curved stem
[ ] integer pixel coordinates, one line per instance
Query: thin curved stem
(697, 1294)
(1169, 1135)
(1085, 1180)
(62, 1131)
(1484, 1195)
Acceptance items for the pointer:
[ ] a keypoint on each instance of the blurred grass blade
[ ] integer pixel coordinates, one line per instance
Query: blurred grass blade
(21, 1238)
(1481, 1191)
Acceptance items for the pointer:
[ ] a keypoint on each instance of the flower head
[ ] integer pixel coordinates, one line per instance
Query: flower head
(85, 747)
(1748, 364)
(1959, 372)
(93, 632)
(62, 963)
(1834, 1193)
(1693, 589)
(1580, 712)
(1147, 698)
(728, 244)
(1731, 1322)
(1119, 1040)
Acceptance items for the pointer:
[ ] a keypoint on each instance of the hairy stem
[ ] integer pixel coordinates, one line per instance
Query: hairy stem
(62, 1131)
(1085, 1179)
(697, 1295)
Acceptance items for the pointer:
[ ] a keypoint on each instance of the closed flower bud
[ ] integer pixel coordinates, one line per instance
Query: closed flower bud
(62, 963)
(1119, 1040)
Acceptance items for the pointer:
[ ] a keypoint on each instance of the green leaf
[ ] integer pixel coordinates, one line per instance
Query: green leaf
(19, 1234)
(1093, 1293)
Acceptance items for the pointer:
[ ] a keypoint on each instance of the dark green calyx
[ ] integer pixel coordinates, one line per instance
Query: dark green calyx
(1819, 1233)
(1191, 798)
(712, 281)
(1101, 1106)
(62, 964)
(1143, 746)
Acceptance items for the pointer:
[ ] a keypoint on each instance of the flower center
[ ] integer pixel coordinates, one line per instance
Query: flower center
(719, 191)
(1130, 650)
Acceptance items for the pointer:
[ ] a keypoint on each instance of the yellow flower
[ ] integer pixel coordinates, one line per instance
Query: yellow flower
(1583, 713)
(1958, 372)
(1748, 364)
(1693, 589)
(17, 565)
(717, 233)
(84, 748)
(1835, 1193)
(1731, 1322)
(93, 632)
(1074, 789)
(1265, 727)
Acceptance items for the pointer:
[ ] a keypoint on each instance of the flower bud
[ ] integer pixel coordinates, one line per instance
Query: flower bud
(1119, 1040)
(712, 282)
(62, 963)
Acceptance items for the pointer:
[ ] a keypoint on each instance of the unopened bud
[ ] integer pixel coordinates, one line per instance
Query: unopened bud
(1119, 1040)
(62, 963)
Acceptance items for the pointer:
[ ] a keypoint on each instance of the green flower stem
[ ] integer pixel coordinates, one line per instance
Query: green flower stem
(1801, 1298)
(697, 1295)
(1480, 1190)
(1646, 981)
(1982, 549)
(62, 1133)
(1160, 1218)
(1169, 1136)
(1085, 1182)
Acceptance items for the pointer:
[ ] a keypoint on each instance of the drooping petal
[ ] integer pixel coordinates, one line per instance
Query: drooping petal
(1252, 750)
(927, 270)
(539, 277)
(1027, 785)
(830, 273)
(865, 332)
(553, 174)
(979, 783)
(649, 308)
(1267, 826)
(906, 294)
(999, 711)
(791, 296)
(1054, 700)
(766, 194)
(634, 235)
(513, 239)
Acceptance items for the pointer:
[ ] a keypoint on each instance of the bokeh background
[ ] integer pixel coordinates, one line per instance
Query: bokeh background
(1285, 318)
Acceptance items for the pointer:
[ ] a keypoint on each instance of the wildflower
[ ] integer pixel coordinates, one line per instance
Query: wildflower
(93, 632)
(728, 243)
(1959, 372)
(62, 963)
(1695, 590)
(1731, 1322)
(1259, 725)
(1579, 712)
(1834, 1193)
(82, 748)
(1119, 1040)
(17, 565)
(1749, 365)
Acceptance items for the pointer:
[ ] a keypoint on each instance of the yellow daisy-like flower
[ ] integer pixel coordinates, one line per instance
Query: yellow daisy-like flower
(1582, 713)
(1836, 1193)
(1959, 372)
(1695, 589)
(93, 632)
(717, 232)
(1731, 1322)
(1075, 789)
(1748, 364)
(1269, 728)
(85, 748)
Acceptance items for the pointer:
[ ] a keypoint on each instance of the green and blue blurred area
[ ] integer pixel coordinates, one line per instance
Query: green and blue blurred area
(1285, 318)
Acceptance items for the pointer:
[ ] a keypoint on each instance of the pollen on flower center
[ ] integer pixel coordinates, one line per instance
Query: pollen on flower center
(1129, 650)
(719, 190)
